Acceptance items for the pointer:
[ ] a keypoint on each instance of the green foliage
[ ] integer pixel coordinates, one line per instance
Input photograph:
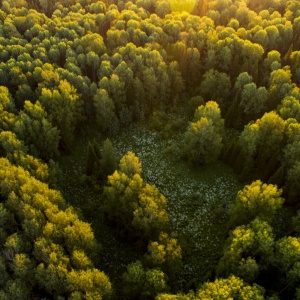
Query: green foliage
(143, 283)
(261, 140)
(203, 139)
(105, 109)
(130, 164)
(37, 132)
(10, 143)
(228, 288)
(150, 217)
(290, 108)
(216, 86)
(202, 142)
(64, 108)
(109, 158)
(212, 112)
(288, 256)
(256, 200)
(93, 160)
(43, 232)
(292, 180)
(130, 203)
(193, 104)
(89, 284)
(279, 87)
(74, 68)
(101, 162)
(249, 250)
(233, 287)
(6, 102)
(253, 101)
(166, 254)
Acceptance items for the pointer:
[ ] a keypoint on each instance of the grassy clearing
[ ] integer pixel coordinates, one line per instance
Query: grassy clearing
(198, 202)
(198, 199)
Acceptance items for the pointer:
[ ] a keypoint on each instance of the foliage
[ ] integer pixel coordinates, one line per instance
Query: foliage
(249, 250)
(202, 142)
(73, 71)
(166, 254)
(38, 234)
(257, 200)
(233, 287)
(133, 205)
(143, 283)
(203, 139)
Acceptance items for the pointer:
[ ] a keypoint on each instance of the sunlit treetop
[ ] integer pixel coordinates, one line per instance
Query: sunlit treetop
(182, 5)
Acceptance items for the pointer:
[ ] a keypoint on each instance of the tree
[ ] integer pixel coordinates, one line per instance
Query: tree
(162, 8)
(138, 209)
(116, 90)
(40, 236)
(252, 53)
(271, 63)
(295, 64)
(105, 109)
(291, 155)
(150, 85)
(150, 217)
(262, 140)
(243, 79)
(290, 108)
(193, 67)
(165, 254)
(257, 200)
(101, 161)
(130, 164)
(64, 108)
(92, 42)
(6, 101)
(142, 283)
(10, 143)
(108, 159)
(230, 288)
(212, 112)
(23, 93)
(287, 254)
(93, 64)
(34, 128)
(176, 81)
(253, 101)
(280, 85)
(292, 179)
(93, 159)
(249, 250)
(202, 142)
(89, 284)
(121, 194)
(216, 86)
(261, 37)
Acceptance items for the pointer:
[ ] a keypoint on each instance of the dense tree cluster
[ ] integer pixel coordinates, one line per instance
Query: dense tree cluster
(138, 210)
(74, 68)
(44, 245)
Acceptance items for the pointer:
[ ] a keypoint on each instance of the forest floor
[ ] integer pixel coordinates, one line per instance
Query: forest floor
(198, 202)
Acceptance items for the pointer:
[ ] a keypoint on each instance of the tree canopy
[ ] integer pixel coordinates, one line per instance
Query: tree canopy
(215, 82)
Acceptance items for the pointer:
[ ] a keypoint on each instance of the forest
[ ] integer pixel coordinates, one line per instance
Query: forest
(149, 149)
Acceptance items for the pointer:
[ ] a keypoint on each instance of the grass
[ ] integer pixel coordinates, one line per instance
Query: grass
(198, 199)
